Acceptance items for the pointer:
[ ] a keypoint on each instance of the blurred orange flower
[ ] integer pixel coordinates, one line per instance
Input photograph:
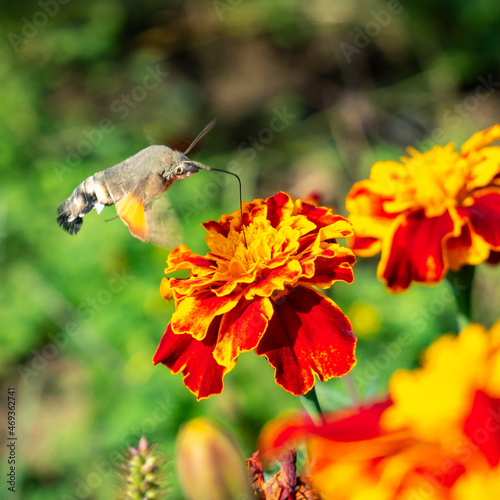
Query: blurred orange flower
(435, 211)
(436, 437)
(261, 297)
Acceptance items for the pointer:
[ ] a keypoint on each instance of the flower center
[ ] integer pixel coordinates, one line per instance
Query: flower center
(268, 247)
(433, 181)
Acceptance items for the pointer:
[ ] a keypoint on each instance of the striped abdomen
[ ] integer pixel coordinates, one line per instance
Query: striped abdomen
(92, 192)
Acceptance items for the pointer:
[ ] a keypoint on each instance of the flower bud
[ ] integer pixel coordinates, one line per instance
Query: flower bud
(209, 464)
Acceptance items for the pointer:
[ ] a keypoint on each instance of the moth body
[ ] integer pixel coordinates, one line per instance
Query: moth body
(130, 185)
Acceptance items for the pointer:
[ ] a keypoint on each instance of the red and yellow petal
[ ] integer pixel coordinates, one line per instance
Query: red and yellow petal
(232, 221)
(323, 270)
(321, 216)
(484, 216)
(481, 139)
(308, 335)
(194, 315)
(279, 207)
(183, 258)
(276, 280)
(349, 425)
(368, 215)
(202, 374)
(485, 169)
(415, 252)
(294, 227)
(241, 329)
(482, 426)
(364, 200)
(466, 249)
(365, 246)
(283, 432)
(177, 288)
(214, 228)
(228, 284)
(342, 228)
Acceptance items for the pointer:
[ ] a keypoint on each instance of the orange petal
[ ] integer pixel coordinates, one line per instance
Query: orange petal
(194, 315)
(182, 257)
(131, 211)
(241, 329)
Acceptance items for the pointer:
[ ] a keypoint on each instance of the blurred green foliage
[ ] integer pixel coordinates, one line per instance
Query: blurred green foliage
(308, 95)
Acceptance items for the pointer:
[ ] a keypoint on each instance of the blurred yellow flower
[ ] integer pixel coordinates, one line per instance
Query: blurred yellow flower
(436, 437)
(435, 400)
(432, 212)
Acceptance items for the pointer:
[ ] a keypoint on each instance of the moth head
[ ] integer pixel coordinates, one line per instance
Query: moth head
(183, 167)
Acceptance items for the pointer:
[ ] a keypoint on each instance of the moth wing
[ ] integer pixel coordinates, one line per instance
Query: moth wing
(131, 206)
(150, 217)
(130, 209)
(165, 229)
(138, 174)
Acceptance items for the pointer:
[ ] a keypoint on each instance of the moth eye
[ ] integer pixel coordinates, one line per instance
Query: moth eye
(179, 170)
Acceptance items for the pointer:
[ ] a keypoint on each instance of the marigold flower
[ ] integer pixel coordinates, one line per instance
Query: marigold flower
(435, 211)
(436, 437)
(261, 297)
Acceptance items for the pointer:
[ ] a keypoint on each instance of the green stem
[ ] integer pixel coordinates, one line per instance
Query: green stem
(311, 405)
(461, 286)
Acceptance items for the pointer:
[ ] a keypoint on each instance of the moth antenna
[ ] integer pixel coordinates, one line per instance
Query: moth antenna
(112, 218)
(241, 202)
(205, 131)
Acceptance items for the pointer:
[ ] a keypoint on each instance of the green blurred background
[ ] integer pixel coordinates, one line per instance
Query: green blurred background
(307, 96)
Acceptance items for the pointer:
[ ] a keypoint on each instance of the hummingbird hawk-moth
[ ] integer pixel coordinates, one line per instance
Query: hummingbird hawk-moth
(131, 186)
